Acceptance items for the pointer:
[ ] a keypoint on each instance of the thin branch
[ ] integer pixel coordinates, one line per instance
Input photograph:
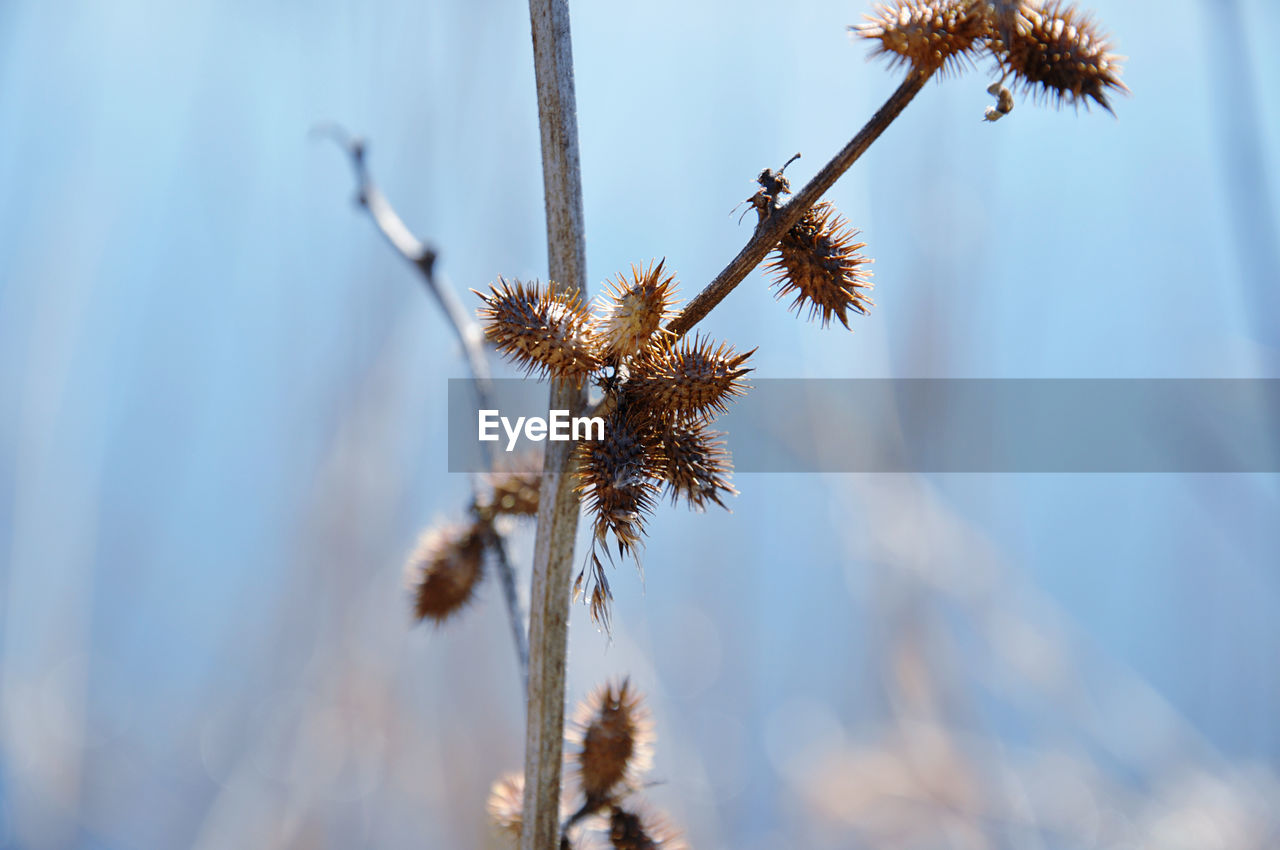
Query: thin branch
(415, 251)
(423, 257)
(558, 506)
(770, 230)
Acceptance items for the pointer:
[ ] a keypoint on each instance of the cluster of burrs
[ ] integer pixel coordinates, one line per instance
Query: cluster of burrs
(610, 748)
(661, 393)
(1049, 48)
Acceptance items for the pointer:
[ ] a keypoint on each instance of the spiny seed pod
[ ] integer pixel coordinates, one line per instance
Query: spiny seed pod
(616, 481)
(697, 465)
(632, 312)
(445, 569)
(513, 491)
(544, 331)
(818, 259)
(615, 477)
(928, 35)
(1063, 54)
(612, 740)
(640, 830)
(506, 804)
(688, 378)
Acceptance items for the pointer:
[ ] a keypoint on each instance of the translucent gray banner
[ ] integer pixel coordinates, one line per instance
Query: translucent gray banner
(965, 425)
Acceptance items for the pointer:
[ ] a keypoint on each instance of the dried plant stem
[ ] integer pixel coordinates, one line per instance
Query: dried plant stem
(558, 505)
(771, 230)
(423, 257)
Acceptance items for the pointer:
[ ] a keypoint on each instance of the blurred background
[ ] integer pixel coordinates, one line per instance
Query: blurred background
(221, 430)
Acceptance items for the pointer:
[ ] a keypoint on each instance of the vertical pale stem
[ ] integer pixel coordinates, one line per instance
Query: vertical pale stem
(558, 508)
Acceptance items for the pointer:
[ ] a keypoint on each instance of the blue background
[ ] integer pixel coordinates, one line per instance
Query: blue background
(221, 428)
